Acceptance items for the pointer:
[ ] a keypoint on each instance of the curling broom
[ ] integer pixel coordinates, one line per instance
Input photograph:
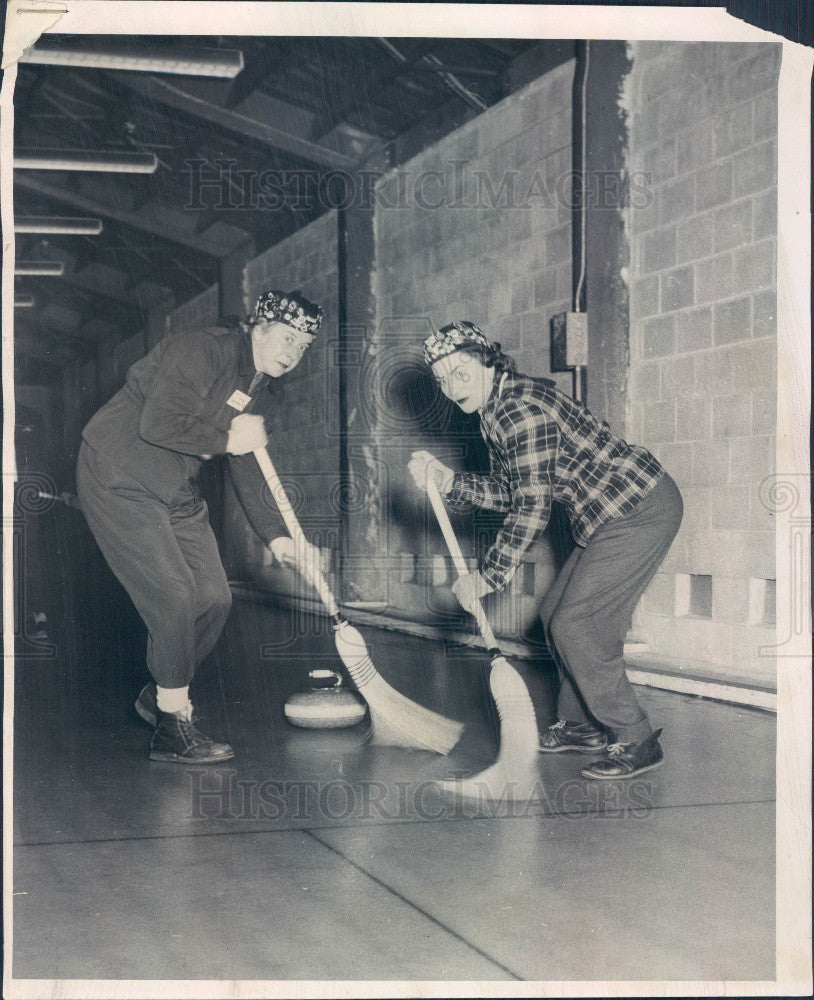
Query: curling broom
(395, 720)
(514, 768)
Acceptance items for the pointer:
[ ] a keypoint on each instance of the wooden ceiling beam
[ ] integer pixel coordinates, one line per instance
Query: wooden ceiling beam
(116, 301)
(131, 219)
(384, 73)
(85, 300)
(168, 94)
(32, 332)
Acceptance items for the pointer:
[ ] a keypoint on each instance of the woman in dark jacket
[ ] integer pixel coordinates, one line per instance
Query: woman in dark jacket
(194, 396)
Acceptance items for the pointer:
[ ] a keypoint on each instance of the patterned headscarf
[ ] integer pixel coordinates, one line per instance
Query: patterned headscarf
(288, 307)
(451, 338)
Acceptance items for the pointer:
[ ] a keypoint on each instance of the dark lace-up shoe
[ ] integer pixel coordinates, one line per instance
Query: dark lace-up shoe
(579, 736)
(176, 739)
(626, 760)
(146, 704)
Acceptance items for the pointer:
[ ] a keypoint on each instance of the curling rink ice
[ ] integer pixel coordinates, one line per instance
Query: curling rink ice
(316, 855)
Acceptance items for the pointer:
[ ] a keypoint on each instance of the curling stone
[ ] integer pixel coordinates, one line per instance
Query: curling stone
(326, 704)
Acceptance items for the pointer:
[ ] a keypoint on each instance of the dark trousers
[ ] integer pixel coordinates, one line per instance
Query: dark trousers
(588, 611)
(166, 557)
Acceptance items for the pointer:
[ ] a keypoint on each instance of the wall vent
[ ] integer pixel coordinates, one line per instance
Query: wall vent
(693, 597)
(762, 602)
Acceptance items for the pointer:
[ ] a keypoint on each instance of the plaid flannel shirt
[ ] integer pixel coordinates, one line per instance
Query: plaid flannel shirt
(543, 447)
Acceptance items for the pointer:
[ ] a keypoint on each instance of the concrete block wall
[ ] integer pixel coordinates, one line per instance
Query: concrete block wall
(476, 227)
(306, 442)
(479, 225)
(703, 126)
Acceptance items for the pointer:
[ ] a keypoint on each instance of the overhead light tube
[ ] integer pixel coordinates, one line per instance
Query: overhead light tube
(81, 159)
(192, 61)
(23, 301)
(41, 268)
(57, 225)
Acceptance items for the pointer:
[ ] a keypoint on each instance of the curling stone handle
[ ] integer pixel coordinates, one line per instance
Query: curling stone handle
(459, 561)
(278, 493)
(325, 680)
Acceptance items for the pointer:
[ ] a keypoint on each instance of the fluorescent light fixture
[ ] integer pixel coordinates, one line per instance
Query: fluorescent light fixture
(23, 301)
(42, 268)
(146, 59)
(57, 224)
(82, 159)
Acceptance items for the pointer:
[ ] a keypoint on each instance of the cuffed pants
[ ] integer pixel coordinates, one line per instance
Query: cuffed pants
(167, 559)
(588, 611)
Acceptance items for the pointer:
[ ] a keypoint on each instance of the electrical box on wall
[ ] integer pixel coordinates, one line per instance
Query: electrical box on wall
(569, 341)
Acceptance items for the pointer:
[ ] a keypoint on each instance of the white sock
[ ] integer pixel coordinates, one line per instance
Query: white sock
(172, 699)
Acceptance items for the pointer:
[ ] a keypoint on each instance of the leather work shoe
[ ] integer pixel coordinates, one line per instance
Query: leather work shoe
(176, 739)
(579, 736)
(625, 760)
(146, 704)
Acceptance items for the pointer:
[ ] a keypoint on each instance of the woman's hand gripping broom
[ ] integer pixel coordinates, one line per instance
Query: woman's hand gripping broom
(513, 774)
(395, 720)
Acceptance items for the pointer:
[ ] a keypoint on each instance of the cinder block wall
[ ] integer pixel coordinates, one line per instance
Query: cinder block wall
(476, 227)
(479, 225)
(306, 441)
(703, 125)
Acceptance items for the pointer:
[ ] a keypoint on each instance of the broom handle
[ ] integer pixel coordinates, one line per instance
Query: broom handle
(278, 493)
(484, 627)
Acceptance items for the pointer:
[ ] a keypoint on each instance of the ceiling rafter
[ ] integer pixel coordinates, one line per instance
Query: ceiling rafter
(250, 78)
(305, 105)
(81, 298)
(65, 345)
(131, 219)
(112, 250)
(117, 300)
(383, 73)
(175, 97)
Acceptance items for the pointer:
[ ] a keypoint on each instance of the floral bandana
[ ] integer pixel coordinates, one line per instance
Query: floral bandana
(452, 338)
(288, 307)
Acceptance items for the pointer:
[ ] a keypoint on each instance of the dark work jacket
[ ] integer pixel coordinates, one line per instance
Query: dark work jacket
(174, 412)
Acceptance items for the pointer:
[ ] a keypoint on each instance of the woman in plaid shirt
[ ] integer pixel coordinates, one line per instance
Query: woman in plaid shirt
(624, 511)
